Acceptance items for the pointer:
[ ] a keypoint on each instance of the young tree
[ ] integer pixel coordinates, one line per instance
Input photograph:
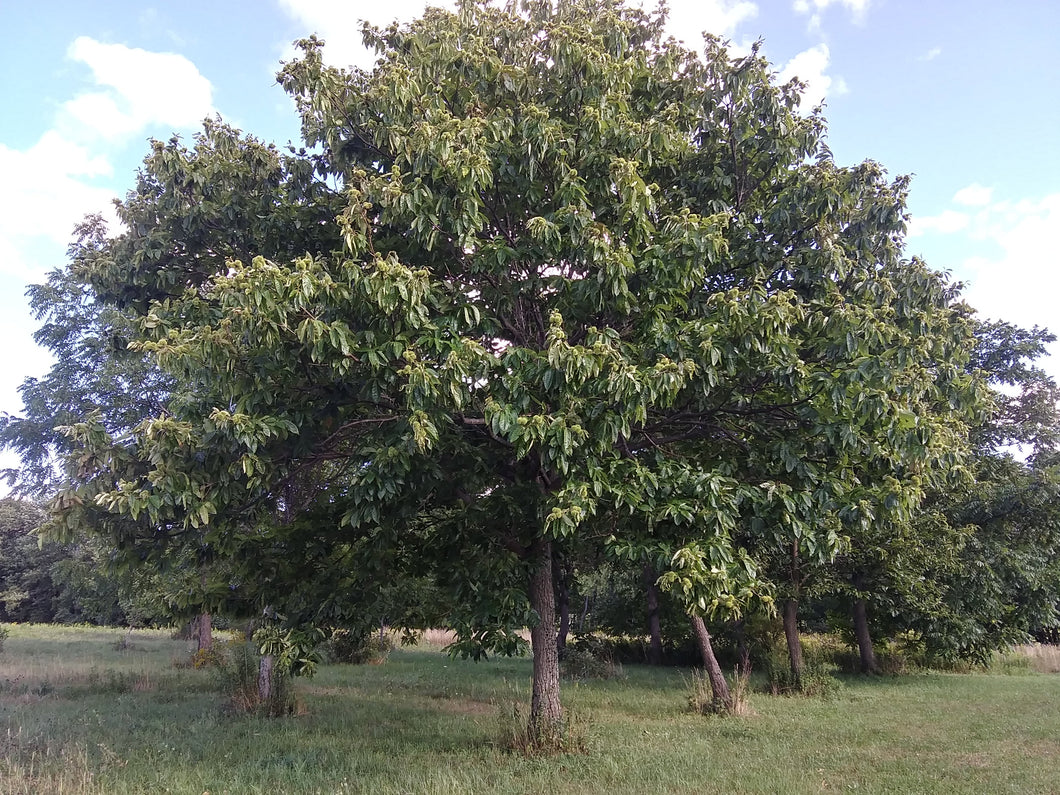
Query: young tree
(574, 271)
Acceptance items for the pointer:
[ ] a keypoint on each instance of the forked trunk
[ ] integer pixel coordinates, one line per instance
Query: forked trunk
(203, 632)
(861, 632)
(655, 649)
(546, 713)
(718, 686)
(791, 634)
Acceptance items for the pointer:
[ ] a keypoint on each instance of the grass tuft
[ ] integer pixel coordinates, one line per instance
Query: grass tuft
(522, 736)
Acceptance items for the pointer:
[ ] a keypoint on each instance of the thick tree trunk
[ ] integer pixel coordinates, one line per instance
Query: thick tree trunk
(546, 713)
(718, 686)
(655, 648)
(861, 632)
(265, 680)
(563, 594)
(203, 632)
(791, 634)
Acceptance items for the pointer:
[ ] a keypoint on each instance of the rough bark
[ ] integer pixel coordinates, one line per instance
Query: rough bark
(546, 713)
(791, 634)
(265, 678)
(203, 632)
(861, 632)
(655, 647)
(718, 686)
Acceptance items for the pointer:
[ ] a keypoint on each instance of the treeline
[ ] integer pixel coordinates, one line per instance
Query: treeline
(43, 581)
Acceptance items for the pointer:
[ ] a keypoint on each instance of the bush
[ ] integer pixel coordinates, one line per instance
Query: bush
(818, 662)
(580, 663)
(4, 633)
(237, 666)
(345, 646)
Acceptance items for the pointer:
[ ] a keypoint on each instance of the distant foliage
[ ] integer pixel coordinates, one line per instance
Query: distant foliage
(346, 646)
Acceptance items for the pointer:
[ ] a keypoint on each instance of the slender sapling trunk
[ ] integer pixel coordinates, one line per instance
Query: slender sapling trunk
(204, 632)
(718, 686)
(563, 595)
(791, 634)
(655, 648)
(861, 632)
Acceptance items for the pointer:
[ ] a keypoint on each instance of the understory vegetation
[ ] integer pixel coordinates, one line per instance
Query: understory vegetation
(81, 715)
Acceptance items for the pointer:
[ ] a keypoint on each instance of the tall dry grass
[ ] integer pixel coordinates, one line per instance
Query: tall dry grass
(1042, 658)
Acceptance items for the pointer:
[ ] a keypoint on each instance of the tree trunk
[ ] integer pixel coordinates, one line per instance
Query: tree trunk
(203, 632)
(546, 713)
(861, 632)
(718, 686)
(791, 633)
(563, 593)
(265, 668)
(742, 651)
(655, 649)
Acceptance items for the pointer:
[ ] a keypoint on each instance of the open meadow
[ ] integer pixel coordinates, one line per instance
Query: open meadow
(99, 710)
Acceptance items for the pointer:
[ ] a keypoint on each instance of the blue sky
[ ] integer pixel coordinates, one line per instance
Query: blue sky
(964, 95)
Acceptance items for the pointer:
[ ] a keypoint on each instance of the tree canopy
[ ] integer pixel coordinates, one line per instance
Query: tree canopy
(540, 275)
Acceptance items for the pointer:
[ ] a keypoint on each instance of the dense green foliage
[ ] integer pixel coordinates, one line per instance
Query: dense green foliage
(72, 582)
(540, 290)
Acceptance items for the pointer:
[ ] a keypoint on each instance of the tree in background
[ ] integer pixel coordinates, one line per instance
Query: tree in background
(999, 577)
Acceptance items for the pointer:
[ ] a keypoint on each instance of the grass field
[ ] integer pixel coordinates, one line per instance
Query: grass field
(80, 715)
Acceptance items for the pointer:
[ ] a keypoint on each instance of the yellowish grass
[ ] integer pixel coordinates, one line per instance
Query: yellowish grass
(437, 638)
(1043, 658)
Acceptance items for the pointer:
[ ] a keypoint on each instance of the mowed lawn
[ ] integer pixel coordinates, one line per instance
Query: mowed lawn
(79, 714)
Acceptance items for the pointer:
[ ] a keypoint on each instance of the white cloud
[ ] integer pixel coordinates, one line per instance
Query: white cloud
(141, 89)
(809, 66)
(931, 54)
(51, 186)
(46, 193)
(339, 22)
(689, 19)
(816, 8)
(1013, 273)
(1020, 284)
(974, 195)
(947, 222)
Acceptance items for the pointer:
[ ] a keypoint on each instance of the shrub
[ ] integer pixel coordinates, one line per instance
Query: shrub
(580, 663)
(237, 667)
(4, 633)
(816, 678)
(346, 646)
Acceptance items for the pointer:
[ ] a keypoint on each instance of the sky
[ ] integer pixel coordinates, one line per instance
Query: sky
(963, 95)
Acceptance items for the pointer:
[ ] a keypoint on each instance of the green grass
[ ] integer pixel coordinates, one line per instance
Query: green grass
(79, 715)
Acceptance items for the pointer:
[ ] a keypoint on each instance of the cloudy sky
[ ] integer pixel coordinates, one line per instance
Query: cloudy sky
(964, 95)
